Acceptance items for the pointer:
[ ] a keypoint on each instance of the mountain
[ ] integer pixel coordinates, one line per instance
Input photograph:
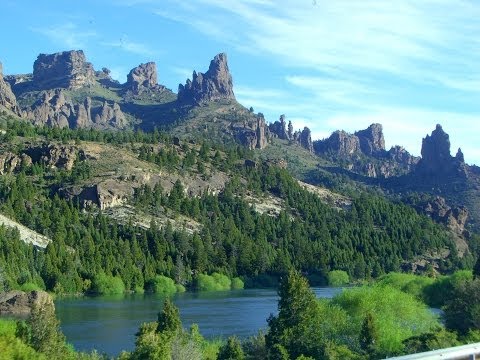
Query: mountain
(195, 182)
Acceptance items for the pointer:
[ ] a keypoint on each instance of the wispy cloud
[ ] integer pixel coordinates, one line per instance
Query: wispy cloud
(66, 35)
(125, 44)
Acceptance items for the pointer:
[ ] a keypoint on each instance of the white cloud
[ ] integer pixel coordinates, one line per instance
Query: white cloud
(66, 35)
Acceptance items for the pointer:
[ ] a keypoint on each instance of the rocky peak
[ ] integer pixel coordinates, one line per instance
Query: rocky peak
(306, 139)
(340, 143)
(7, 97)
(67, 69)
(142, 77)
(279, 128)
(371, 139)
(215, 84)
(460, 158)
(436, 156)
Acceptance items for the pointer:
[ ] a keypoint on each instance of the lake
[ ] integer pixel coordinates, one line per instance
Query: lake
(109, 324)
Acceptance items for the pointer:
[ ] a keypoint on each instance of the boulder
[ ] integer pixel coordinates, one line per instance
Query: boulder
(55, 156)
(19, 303)
(215, 84)
(67, 69)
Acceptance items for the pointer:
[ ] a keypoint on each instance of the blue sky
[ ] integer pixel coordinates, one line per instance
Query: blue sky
(329, 65)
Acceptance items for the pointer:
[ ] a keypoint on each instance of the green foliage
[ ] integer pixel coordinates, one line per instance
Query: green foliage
(107, 285)
(415, 285)
(398, 315)
(162, 285)
(438, 339)
(237, 283)
(169, 319)
(338, 278)
(368, 334)
(214, 282)
(462, 311)
(30, 287)
(443, 290)
(232, 350)
(294, 327)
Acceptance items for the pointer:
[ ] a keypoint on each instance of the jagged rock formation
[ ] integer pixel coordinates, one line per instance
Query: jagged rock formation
(436, 159)
(141, 78)
(10, 162)
(19, 303)
(305, 139)
(111, 115)
(55, 156)
(371, 139)
(7, 97)
(454, 217)
(340, 143)
(67, 69)
(215, 84)
(104, 195)
(280, 130)
(253, 134)
(52, 109)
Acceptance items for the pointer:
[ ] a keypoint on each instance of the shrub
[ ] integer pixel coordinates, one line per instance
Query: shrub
(107, 285)
(214, 282)
(29, 286)
(338, 278)
(237, 283)
(162, 285)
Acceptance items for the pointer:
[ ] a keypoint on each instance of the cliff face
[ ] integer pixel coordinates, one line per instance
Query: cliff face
(281, 130)
(141, 78)
(68, 69)
(371, 139)
(7, 97)
(215, 84)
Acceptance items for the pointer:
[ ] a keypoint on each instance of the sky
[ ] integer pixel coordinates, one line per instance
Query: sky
(329, 65)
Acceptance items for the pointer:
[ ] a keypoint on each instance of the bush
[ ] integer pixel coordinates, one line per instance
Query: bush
(214, 282)
(237, 283)
(398, 316)
(29, 286)
(162, 285)
(338, 278)
(180, 288)
(415, 285)
(107, 285)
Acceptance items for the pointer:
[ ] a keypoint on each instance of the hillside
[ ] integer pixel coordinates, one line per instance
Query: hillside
(133, 181)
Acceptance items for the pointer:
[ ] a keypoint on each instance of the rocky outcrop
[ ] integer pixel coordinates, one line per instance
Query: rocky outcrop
(55, 156)
(305, 139)
(52, 108)
(143, 77)
(454, 217)
(19, 303)
(10, 162)
(253, 133)
(110, 115)
(279, 129)
(68, 69)
(371, 139)
(104, 195)
(7, 97)
(340, 143)
(436, 159)
(215, 84)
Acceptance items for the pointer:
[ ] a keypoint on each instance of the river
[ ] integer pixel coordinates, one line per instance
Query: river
(109, 324)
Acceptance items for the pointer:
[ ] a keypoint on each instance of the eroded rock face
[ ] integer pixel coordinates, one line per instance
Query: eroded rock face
(111, 115)
(305, 139)
(253, 134)
(371, 139)
(142, 77)
(10, 162)
(279, 129)
(67, 69)
(7, 97)
(340, 143)
(19, 303)
(55, 156)
(51, 109)
(454, 217)
(215, 84)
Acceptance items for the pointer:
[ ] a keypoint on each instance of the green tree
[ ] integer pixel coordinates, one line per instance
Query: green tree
(169, 318)
(368, 334)
(462, 312)
(232, 350)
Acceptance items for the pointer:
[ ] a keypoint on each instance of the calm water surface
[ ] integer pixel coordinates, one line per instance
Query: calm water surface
(109, 324)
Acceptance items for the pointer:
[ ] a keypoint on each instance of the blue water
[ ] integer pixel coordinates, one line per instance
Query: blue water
(109, 324)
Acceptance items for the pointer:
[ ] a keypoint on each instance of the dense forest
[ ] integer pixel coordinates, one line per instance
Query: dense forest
(91, 252)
